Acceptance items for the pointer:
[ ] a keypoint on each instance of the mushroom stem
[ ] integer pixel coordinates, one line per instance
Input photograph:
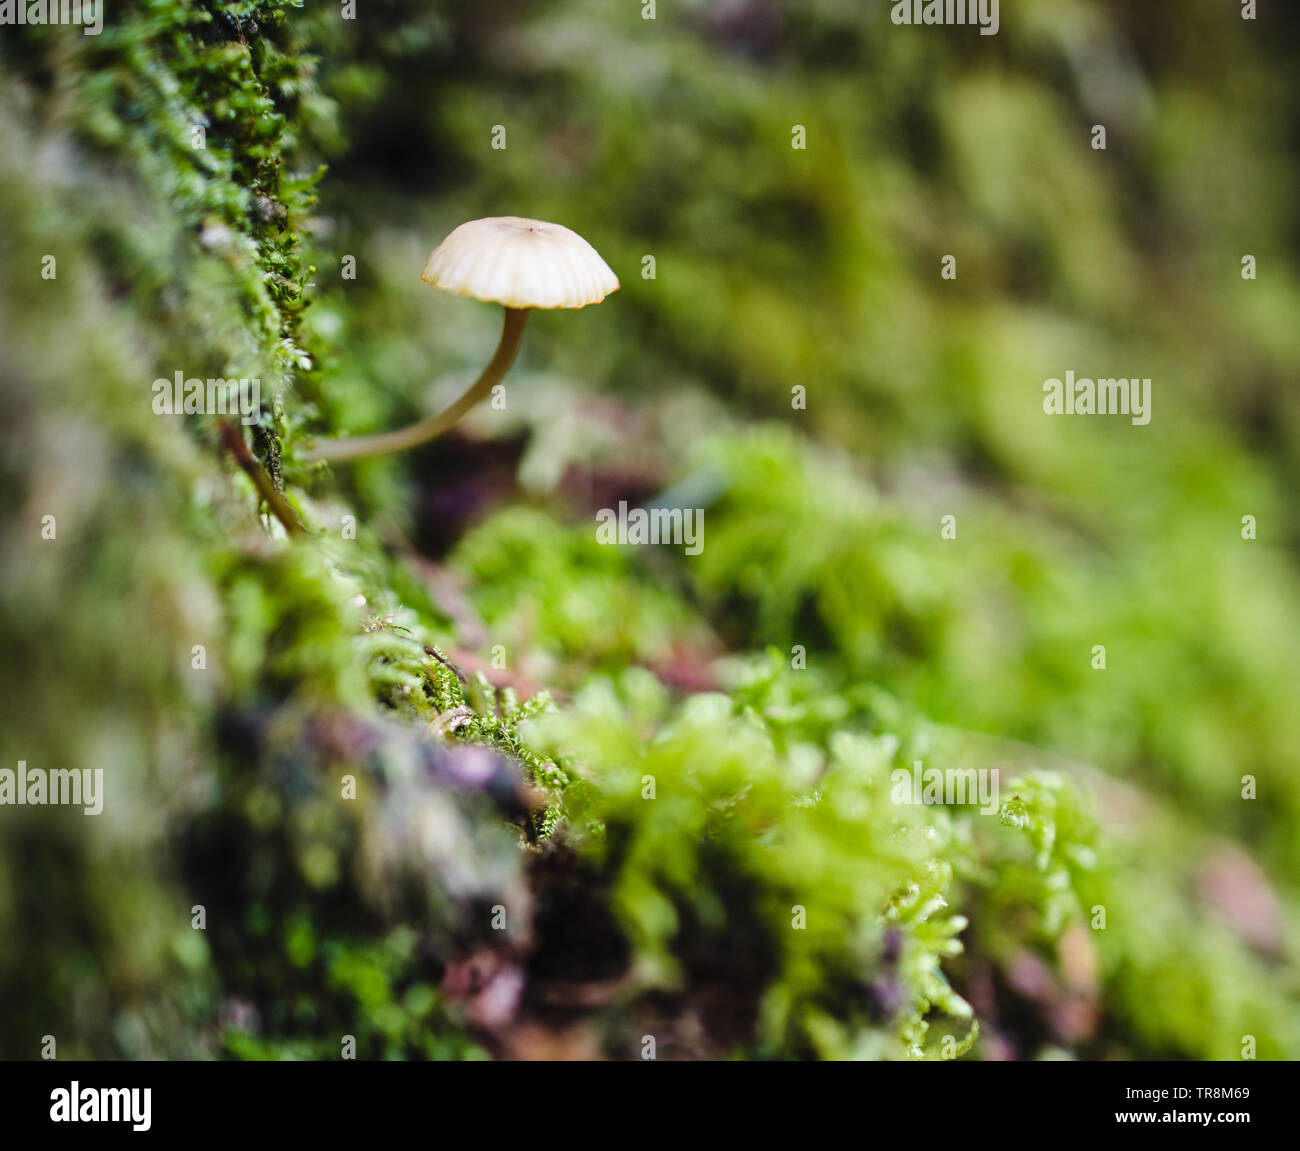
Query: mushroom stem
(421, 432)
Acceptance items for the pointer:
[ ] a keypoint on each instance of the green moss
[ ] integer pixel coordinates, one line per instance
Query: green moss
(690, 832)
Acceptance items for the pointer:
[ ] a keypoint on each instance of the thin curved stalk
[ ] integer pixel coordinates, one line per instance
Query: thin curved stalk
(384, 443)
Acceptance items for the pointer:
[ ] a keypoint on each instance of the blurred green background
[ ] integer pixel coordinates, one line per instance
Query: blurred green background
(435, 592)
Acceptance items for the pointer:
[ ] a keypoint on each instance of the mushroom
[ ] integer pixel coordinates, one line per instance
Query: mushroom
(509, 260)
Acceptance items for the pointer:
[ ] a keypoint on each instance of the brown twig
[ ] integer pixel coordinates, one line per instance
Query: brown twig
(233, 439)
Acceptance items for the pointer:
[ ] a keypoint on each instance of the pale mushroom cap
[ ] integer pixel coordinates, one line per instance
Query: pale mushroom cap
(520, 263)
